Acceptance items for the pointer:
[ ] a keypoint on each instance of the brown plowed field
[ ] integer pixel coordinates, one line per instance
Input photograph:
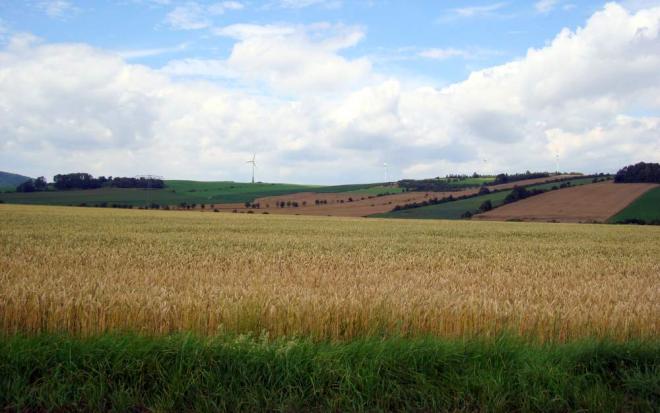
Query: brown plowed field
(338, 204)
(586, 203)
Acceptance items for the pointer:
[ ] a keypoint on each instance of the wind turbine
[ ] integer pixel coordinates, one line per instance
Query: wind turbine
(485, 166)
(557, 163)
(254, 164)
(387, 172)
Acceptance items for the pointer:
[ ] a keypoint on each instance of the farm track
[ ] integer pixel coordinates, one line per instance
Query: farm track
(586, 203)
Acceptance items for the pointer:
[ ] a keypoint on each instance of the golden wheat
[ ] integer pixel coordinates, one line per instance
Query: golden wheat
(85, 271)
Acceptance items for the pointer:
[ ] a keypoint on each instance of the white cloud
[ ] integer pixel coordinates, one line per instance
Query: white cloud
(477, 11)
(58, 8)
(287, 59)
(635, 5)
(221, 7)
(592, 94)
(194, 16)
(190, 16)
(441, 54)
(545, 6)
(299, 4)
(157, 51)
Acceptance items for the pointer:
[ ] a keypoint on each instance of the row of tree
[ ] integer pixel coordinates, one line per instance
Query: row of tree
(506, 178)
(81, 180)
(33, 185)
(433, 185)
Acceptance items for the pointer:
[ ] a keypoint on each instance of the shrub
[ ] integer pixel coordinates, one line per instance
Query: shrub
(486, 206)
(516, 194)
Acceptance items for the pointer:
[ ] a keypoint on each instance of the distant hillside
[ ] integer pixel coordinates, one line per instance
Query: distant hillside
(10, 179)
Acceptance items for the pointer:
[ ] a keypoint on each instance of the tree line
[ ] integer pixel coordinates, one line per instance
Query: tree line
(82, 180)
(639, 172)
(506, 178)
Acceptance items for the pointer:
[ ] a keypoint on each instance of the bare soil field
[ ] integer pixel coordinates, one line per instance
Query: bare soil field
(356, 205)
(587, 203)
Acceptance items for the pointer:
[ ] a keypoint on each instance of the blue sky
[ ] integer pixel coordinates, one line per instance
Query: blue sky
(481, 33)
(327, 91)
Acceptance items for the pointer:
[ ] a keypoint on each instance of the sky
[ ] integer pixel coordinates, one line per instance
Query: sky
(327, 91)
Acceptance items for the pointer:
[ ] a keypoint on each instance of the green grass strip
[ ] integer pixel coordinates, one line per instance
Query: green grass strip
(646, 208)
(186, 373)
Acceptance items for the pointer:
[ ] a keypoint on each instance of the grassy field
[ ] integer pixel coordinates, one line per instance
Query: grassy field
(233, 374)
(455, 209)
(177, 192)
(646, 207)
(375, 190)
(88, 271)
(449, 210)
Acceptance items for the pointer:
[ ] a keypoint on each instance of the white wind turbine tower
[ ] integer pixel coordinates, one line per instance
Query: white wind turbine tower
(557, 163)
(253, 161)
(387, 172)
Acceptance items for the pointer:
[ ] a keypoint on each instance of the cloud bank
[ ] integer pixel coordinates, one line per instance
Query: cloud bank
(313, 115)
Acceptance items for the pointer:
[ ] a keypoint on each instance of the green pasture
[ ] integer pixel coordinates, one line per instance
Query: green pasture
(646, 208)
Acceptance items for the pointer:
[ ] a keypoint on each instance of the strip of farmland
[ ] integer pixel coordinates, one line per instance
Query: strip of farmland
(587, 203)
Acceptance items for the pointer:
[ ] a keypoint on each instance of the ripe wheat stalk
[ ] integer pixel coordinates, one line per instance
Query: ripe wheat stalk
(86, 271)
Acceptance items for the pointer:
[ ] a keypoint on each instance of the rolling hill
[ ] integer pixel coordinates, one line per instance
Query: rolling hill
(588, 203)
(176, 192)
(10, 180)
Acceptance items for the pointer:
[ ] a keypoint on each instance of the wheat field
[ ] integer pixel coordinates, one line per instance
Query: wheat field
(87, 271)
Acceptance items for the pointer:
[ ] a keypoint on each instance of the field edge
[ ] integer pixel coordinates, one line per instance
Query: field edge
(243, 372)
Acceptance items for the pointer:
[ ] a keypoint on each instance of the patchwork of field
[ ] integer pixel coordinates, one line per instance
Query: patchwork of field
(86, 271)
(588, 203)
(177, 192)
(338, 200)
(456, 209)
(340, 204)
(348, 204)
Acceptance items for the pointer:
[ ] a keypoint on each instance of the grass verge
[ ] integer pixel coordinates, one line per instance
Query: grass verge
(187, 373)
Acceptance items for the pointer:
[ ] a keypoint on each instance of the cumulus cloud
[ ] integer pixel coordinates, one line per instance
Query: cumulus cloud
(287, 59)
(592, 95)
